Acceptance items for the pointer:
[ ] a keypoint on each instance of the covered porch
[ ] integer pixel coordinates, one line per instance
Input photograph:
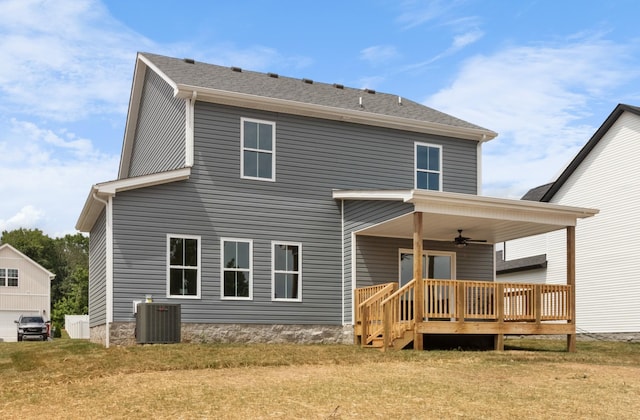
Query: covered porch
(389, 315)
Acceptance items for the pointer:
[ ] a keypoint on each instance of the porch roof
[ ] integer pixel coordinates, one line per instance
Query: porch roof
(480, 217)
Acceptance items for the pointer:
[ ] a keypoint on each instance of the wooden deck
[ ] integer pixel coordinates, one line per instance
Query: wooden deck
(384, 314)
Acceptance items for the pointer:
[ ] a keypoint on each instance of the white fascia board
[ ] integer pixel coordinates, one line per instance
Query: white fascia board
(112, 187)
(332, 113)
(93, 205)
(31, 261)
(491, 207)
(372, 195)
(457, 204)
(132, 117)
(153, 67)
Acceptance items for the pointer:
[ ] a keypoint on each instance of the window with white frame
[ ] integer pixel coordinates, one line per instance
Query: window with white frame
(258, 149)
(236, 266)
(183, 266)
(428, 162)
(9, 277)
(287, 271)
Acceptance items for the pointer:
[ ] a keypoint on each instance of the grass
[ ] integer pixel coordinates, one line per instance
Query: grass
(535, 379)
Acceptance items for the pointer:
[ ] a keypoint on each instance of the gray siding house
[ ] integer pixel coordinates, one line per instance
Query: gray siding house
(263, 204)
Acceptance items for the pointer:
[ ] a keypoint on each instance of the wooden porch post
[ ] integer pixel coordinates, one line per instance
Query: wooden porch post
(418, 298)
(571, 281)
(499, 300)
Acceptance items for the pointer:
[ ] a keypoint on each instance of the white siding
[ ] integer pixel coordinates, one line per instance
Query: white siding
(607, 253)
(32, 296)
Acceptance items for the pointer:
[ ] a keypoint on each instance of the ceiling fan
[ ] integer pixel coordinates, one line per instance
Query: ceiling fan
(462, 241)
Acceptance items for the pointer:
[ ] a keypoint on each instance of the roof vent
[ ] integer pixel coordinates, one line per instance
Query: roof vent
(308, 81)
(338, 86)
(236, 69)
(371, 91)
(189, 60)
(274, 75)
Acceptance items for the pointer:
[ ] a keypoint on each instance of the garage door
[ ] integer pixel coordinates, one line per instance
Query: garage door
(8, 331)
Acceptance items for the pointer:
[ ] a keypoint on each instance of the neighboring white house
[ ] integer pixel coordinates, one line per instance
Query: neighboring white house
(603, 175)
(25, 288)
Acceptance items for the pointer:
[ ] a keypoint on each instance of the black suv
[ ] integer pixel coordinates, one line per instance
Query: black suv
(32, 326)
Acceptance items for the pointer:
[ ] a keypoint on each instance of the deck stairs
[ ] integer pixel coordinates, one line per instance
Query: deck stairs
(384, 311)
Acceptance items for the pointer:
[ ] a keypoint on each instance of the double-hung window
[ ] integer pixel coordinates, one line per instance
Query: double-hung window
(287, 271)
(183, 266)
(258, 149)
(236, 267)
(428, 167)
(9, 277)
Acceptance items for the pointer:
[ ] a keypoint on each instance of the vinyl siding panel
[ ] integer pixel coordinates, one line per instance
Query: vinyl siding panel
(159, 143)
(357, 216)
(34, 285)
(313, 157)
(377, 259)
(98, 272)
(607, 279)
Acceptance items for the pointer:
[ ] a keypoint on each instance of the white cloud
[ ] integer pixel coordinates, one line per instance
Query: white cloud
(46, 177)
(537, 98)
(416, 13)
(64, 59)
(378, 53)
(27, 217)
(467, 38)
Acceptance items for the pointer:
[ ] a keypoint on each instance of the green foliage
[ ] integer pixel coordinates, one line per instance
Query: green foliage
(67, 258)
(34, 244)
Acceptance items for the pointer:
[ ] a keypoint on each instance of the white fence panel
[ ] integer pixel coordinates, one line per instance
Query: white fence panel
(77, 326)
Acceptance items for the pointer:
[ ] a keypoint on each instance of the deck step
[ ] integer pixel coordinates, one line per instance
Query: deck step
(401, 342)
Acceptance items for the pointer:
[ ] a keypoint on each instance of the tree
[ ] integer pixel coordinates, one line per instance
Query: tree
(34, 244)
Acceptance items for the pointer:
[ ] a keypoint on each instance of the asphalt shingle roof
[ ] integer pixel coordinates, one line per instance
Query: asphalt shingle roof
(203, 75)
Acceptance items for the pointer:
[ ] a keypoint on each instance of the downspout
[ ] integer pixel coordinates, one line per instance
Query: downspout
(342, 259)
(189, 140)
(479, 166)
(108, 266)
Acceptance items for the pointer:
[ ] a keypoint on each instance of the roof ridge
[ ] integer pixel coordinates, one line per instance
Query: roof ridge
(199, 74)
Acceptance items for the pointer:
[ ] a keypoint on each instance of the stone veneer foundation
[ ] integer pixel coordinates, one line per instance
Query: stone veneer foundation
(123, 333)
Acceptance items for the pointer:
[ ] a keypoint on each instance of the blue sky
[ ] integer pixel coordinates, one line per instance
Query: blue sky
(543, 74)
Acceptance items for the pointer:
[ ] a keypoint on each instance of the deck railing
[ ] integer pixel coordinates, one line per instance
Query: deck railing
(398, 313)
(466, 299)
(388, 311)
(370, 313)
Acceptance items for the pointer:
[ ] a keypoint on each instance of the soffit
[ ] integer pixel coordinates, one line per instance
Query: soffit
(492, 219)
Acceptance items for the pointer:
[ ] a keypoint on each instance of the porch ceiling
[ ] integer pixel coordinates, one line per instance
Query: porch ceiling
(493, 219)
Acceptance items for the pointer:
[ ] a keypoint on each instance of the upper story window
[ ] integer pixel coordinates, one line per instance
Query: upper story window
(428, 160)
(258, 149)
(236, 268)
(183, 266)
(287, 271)
(9, 277)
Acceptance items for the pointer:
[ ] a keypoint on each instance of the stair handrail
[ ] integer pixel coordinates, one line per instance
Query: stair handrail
(367, 308)
(394, 326)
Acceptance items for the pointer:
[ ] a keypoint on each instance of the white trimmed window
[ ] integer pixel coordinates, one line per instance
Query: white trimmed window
(183, 266)
(286, 262)
(236, 266)
(9, 277)
(428, 167)
(258, 149)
